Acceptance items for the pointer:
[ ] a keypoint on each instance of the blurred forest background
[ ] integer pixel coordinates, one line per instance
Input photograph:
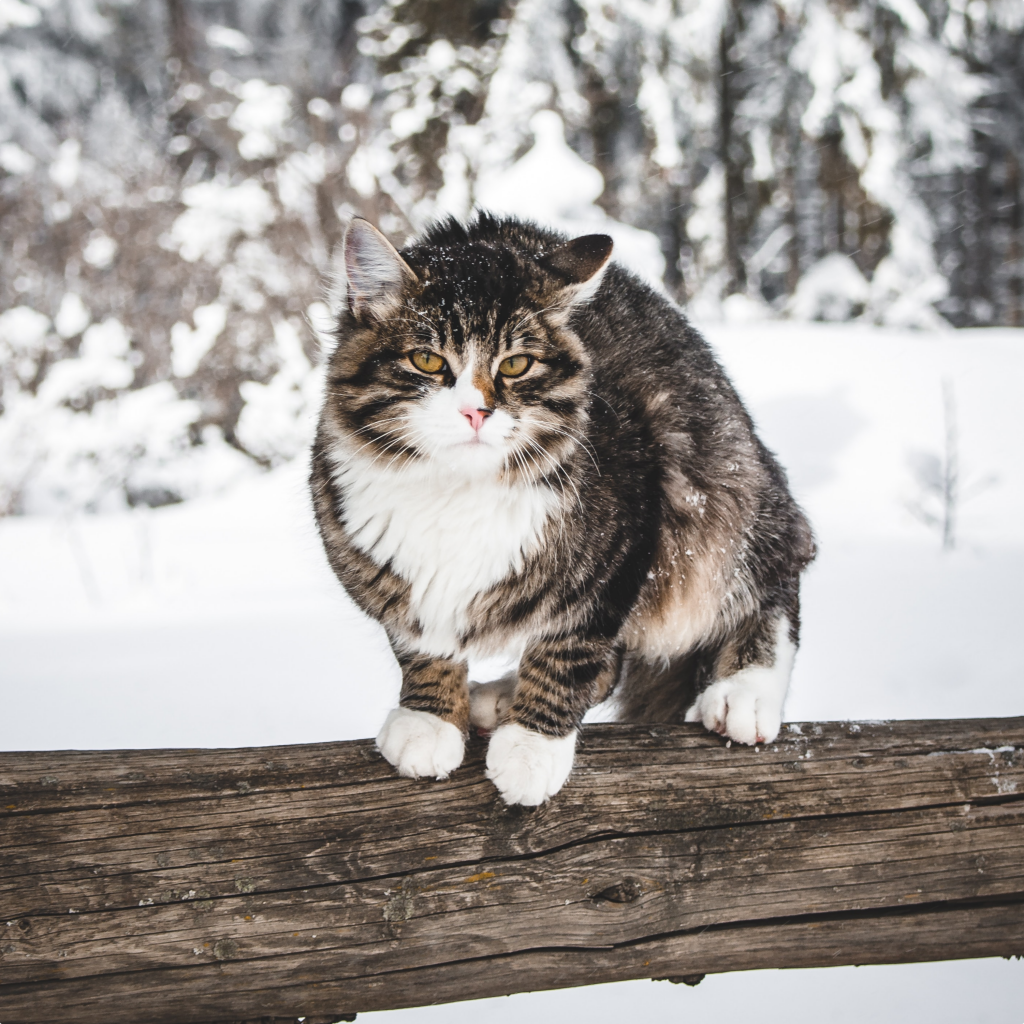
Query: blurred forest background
(175, 174)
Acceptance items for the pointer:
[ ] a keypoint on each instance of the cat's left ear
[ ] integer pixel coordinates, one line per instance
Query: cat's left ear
(375, 273)
(577, 268)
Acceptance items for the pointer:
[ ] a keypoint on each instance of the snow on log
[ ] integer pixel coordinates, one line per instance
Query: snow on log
(189, 886)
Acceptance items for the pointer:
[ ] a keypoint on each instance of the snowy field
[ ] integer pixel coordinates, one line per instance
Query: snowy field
(217, 623)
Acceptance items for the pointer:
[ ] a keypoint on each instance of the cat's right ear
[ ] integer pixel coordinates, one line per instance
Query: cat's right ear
(578, 267)
(375, 273)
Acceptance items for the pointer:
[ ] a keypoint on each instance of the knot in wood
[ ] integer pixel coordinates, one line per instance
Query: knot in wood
(627, 891)
(225, 949)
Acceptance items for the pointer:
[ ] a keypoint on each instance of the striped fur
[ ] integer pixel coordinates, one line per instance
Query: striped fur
(614, 522)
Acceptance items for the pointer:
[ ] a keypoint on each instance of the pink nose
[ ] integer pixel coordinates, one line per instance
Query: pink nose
(476, 417)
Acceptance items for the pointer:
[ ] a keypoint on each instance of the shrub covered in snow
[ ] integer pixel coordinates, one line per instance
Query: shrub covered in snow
(833, 289)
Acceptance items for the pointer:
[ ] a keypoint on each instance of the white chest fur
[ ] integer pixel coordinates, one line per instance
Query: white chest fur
(451, 536)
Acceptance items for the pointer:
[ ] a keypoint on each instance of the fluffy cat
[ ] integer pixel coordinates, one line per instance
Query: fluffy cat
(524, 449)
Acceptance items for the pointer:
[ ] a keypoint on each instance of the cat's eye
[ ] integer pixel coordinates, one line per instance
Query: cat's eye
(428, 362)
(515, 366)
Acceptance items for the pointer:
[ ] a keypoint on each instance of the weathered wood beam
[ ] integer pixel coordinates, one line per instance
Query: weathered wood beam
(192, 886)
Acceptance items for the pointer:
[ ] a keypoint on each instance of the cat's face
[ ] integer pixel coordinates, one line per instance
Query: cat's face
(460, 358)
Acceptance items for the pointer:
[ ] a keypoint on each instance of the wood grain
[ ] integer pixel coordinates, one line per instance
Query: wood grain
(194, 886)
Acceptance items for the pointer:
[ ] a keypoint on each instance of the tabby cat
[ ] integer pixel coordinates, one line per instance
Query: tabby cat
(525, 450)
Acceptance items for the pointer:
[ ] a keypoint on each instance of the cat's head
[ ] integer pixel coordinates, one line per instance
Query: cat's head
(457, 352)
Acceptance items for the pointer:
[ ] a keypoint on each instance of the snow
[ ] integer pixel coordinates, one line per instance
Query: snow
(835, 53)
(319, 107)
(261, 117)
(14, 160)
(297, 175)
(893, 625)
(356, 96)
(72, 317)
(100, 250)
(188, 346)
(22, 328)
(65, 169)
(14, 13)
(552, 185)
(135, 447)
(550, 180)
(279, 417)
(833, 289)
(224, 38)
(101, 364)
(216, 622)
(230, 588)
(848, 405)
(216, 213)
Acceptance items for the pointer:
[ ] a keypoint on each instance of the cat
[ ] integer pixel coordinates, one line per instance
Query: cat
(524, 449)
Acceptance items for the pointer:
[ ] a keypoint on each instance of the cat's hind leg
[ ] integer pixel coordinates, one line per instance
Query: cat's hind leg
(425, 736)
(744, 702)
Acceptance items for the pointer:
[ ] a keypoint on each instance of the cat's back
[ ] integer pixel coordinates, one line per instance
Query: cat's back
(637, 332)
(654, 370)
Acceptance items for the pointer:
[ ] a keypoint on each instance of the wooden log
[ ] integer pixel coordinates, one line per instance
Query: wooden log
(194, 886)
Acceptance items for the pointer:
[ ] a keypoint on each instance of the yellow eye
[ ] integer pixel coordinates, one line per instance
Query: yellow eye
(428, 362)
(515, 366)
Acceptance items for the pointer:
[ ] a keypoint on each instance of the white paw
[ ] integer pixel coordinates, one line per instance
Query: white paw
(747, 706)
(419, 744)
(528, 767)
(734, 709)
(488, 702)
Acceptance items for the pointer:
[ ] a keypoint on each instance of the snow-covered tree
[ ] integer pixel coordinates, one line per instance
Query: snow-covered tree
(174, 177)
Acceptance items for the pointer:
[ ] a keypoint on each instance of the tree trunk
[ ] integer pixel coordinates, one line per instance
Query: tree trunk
(732, 169)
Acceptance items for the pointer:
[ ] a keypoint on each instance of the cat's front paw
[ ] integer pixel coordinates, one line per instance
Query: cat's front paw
(529, 767)
(419, 744)
(740, 709)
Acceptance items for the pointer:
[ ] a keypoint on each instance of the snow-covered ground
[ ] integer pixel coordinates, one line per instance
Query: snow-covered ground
(217, 623)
